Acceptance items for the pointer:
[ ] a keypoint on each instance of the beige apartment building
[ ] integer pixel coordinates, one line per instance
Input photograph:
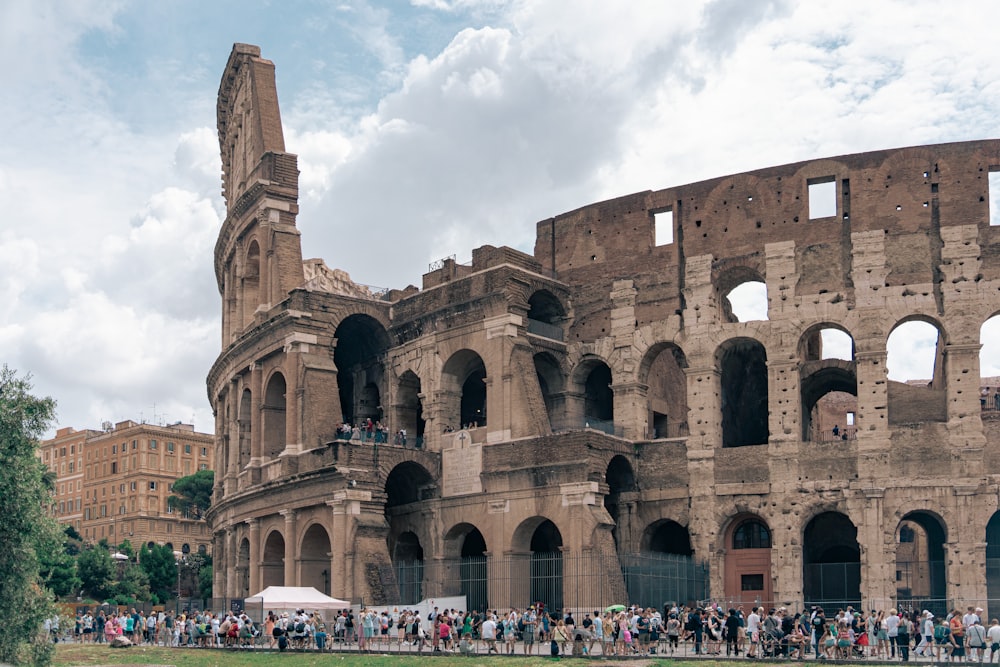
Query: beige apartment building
(114, 483)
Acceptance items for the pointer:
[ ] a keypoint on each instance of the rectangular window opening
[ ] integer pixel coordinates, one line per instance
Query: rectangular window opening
(752, 582)
(663, 224)
(994, 197)
(850, 419)
(822, 197)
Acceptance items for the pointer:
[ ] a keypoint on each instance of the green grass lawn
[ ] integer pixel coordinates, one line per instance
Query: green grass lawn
(72, 655)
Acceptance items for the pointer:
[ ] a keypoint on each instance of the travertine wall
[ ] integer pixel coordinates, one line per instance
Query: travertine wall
(607, 373)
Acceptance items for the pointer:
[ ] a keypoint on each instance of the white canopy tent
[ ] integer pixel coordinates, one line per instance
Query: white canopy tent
(291, 598)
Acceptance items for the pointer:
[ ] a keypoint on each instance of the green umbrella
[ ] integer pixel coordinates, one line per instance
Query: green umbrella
(615, 607)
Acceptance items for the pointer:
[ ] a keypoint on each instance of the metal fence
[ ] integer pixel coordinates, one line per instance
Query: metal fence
(833, 584)
(557, 580)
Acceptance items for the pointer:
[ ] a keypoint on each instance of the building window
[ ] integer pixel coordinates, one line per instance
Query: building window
(114, 467)
(752, 582)
(135, 444)
(121, 488)
(152, 486)
(187, 448)
(203, 466)
(170, 447)
(71, 466)
(152, 444)
(906, 534)
(752, 534)
(132, 486)
(114, 449)
(204, 451)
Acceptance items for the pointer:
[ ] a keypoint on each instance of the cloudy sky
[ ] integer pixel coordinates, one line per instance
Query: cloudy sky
(423, 130)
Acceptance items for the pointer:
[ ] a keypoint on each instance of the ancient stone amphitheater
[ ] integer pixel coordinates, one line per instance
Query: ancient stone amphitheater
(591, 423)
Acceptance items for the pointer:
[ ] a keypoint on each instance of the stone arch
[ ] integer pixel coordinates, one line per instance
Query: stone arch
(731, 276)
(244, 429)
(272, 562)
(541, 540)
(407, 554)
(250, 283)
(466, 543)
(546, 314)
(662, 371)
(552, 383)
(409, 406)
(274, 416)
(408, 483)
(314, 558)
(831, 560)
(909, 402)
(620, 502)
(747, 569)
(921, 564)
(463, 379)
(666, 536)
(742, 363)
(829, 395)
(592, 378)
(361, 343)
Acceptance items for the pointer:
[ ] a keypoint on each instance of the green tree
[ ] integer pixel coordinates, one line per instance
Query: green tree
(97, 572)
(126, 549)
(205, 580)
(160, 566)
(193, 494)
(23, 524)
(132, 585)
(57, 566)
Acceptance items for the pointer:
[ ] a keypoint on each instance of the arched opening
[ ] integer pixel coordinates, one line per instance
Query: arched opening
(272, 563)
(474, 398)
(361, 342)
(993, 566)
(831, 561)
(662, 371)
(598, 396)
(667, 537)
(545, 315)
(464, 377)
(409, 407)
(748, 560)
(407, 485)
(472, 570)
(742, 294)
(743, 366)
(663, 570)
(408, 562)
(244, 429)
(274, 416)
(314, 559)
(920, 562)
(552, 385)
(250, 288)
(915, 366)
(202, 550)
(185, 548)
(989, 367)
(830, 403)
(547, 566)
(621, 499)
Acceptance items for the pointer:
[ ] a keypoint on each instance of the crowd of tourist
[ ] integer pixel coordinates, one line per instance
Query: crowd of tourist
(619, 631)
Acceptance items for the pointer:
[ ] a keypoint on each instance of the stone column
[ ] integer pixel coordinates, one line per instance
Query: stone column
(219, 555)
(291, 561)
(256, 381)
(878, 551)
(965, 425)
(254, 557)
(631, 409)
(344, 510)
(232, 584)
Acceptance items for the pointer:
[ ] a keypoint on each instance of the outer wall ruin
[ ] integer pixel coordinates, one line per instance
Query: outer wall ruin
(572, 412)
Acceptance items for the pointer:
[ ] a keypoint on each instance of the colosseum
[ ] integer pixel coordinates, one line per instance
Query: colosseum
(592, 423)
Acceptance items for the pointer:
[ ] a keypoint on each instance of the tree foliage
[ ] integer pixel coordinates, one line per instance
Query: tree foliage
(97, 572)
(193, 494)
(57, 566)
(23, 524)
(160, 566)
